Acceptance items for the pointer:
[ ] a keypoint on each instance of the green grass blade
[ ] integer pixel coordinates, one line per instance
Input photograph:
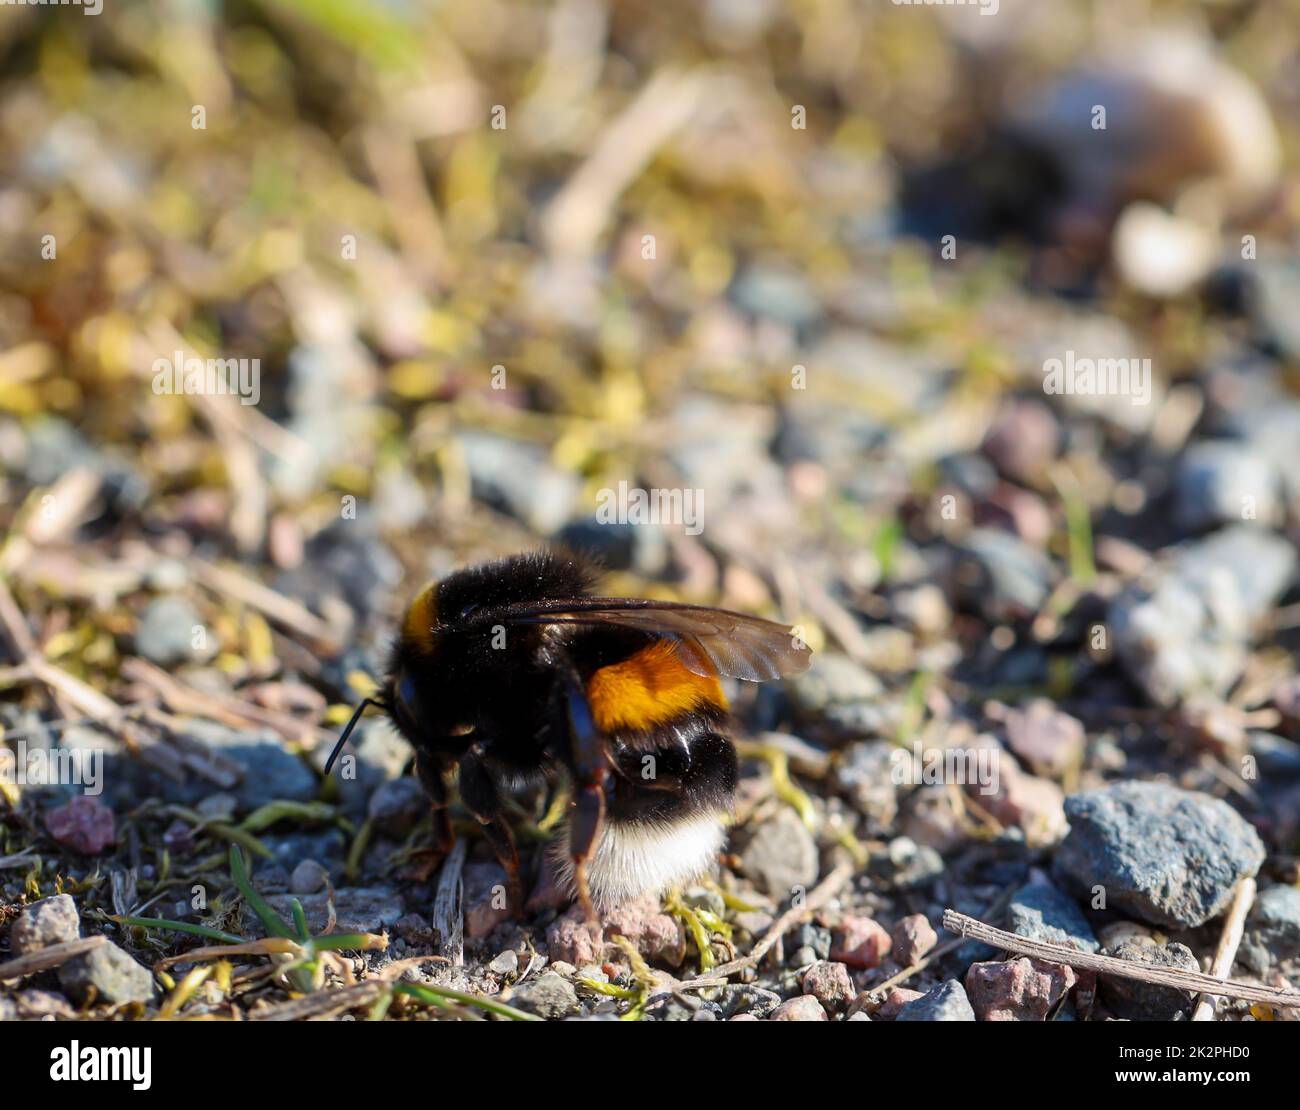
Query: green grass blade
(178, 927)
(274, 923)
(440, 996)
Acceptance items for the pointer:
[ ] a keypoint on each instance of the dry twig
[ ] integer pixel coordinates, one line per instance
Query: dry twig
(965, 926)
(51, 956)
(448, 918)
(822, 893)
(1233, 926)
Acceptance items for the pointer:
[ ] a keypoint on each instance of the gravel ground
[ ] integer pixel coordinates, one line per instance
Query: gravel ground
(998, 406)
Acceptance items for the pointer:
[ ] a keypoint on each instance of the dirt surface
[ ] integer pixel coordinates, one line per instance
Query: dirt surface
(996, 406)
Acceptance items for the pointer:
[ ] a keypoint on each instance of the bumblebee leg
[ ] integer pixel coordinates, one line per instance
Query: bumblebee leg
(480, 795)
(430, 769)
(591, 769)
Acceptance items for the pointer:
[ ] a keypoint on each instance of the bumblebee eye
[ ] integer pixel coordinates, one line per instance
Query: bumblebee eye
(405, 700)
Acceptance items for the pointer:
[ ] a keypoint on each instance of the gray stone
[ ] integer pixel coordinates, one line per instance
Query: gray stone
(1187, 631)
(377, 753)
(50, 921)
(777, 294)
(1002, 575)
(270, 773)
(290, 849)
(106, 974)
(358, 909)
(743, 998)
(1275, 922)
(781, 855)
(815, 937)
(909, 864)
(1164, 855)
(308, 877)
(865, 772)
(702, 898)
(507, 963)
(833, 679)
(519, 479)
(946, 1002)
(550, 995)
(1138, 1001)
(1039, 911)
(673, 1007)
(642, 548)
(166, 633)
(396, 806)
(1217, 480)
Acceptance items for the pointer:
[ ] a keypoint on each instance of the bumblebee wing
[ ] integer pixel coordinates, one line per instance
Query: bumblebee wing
(709, 641)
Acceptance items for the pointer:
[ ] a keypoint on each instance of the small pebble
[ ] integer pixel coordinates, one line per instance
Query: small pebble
(860, 942)
(831, 984)
(308, 877)
(912, 938)
(781, 856)
(171, 632)
(1050, 742)
(1274, 923)
(549, 996)
(52, 920)
(507, 963)
(84, 824)
(895, 1000)
(396, 806)
(106, 974)
(946, 1002)
(1138, 1001)
(1016, 990)
(1039, 911)
(803, 1008)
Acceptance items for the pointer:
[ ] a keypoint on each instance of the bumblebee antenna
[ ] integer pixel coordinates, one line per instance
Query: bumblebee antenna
(356, 716)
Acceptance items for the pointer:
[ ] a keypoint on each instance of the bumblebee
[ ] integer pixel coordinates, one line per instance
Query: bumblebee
(513, 674)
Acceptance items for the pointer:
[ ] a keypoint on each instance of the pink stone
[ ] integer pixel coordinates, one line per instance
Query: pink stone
(897, 998)
(913, 937)
(85, 824)
(1050, 741)
(487, 902)
(803, 1008)
(569, 940)
(830, 983)
(860, 942)
(1017, 990)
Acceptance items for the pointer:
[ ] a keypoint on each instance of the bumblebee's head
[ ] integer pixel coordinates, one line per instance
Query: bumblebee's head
(401, 701)
(399, 698)
(397, 695)
(420, 625)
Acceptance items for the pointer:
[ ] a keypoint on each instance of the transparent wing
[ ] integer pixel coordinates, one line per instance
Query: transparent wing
(708, 640)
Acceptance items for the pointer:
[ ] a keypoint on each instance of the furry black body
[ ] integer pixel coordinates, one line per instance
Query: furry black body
(503, 703)
(511, 672)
